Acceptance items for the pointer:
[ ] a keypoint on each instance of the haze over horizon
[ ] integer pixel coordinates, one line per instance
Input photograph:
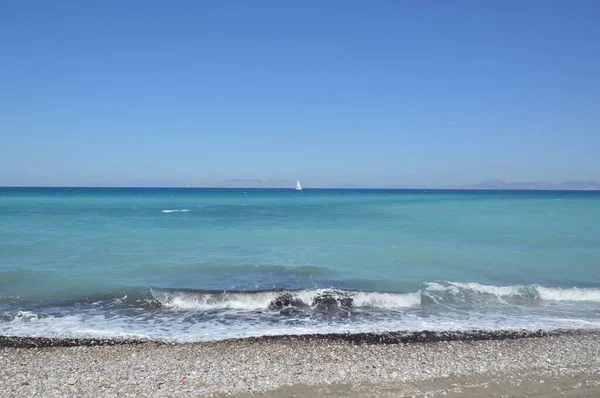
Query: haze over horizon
(492, 184)
(406, 94)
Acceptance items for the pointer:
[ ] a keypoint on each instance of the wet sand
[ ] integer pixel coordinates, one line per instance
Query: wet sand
(533, 383)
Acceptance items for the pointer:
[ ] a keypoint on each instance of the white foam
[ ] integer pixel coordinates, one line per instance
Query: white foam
(499, 291)
(438, 287)
(175, 211)
(25, 316)
(207, 301)
(541, 292)
(470, 293)
(204, 316)
(387, 300)
(175, 329)
(225, 323)
(261, 300)
(573, 294)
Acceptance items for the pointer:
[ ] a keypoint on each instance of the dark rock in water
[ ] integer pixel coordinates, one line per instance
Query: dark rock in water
(326, 302)
(332, 301)
(285, 300)
(345, 301)
(292, 311)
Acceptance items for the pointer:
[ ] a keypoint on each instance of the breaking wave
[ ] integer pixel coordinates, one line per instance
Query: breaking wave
(574, 294)
(25, 316)
(431, 293)
(261, 300)
(200, 315)
(516, 294)
(175, 211)
(448, 294)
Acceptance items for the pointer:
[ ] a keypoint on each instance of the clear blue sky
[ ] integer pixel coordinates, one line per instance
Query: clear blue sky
(396, 93)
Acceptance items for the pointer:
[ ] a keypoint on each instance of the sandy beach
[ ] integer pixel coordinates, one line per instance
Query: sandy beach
(563, 363)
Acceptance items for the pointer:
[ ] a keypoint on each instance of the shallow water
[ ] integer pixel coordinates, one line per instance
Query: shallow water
(204, 264)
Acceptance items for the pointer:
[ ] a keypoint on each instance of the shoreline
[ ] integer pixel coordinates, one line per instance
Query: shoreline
(479, 364)
(394, 337)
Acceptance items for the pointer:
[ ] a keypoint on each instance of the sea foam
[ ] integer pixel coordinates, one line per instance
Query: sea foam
(203, 301)
(450, 290)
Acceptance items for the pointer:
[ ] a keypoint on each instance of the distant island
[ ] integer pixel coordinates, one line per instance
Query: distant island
(573, 185)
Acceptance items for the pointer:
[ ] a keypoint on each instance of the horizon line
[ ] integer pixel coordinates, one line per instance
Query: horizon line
(293, 189)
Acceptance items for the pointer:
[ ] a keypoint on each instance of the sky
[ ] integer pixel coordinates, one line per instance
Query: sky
(335, 93)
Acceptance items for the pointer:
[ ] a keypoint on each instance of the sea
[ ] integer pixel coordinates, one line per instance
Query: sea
(186, 265)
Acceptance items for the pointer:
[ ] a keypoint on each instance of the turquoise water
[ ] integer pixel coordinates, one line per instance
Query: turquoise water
(202, 264)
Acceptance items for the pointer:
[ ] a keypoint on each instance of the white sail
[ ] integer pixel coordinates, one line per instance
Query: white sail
(298, 186)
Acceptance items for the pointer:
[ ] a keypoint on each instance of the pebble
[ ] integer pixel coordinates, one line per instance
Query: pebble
(272, 362)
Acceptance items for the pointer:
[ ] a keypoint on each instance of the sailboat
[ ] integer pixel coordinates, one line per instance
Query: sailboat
(298, 186)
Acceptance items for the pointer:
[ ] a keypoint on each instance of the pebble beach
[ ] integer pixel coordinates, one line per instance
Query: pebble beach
(565, 362)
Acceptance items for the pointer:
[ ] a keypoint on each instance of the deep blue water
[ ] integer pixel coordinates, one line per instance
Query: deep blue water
(201, 264)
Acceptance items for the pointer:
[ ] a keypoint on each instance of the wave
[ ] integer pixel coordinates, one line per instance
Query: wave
(387, 300)
(454, 295)
(574, 294)
(175, 211)
(456, 292)
(277, 300)
(199, 315)
(24, 316)
(189, 300)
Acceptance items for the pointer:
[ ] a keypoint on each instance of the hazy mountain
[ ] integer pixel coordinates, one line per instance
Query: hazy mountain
(573, 185)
